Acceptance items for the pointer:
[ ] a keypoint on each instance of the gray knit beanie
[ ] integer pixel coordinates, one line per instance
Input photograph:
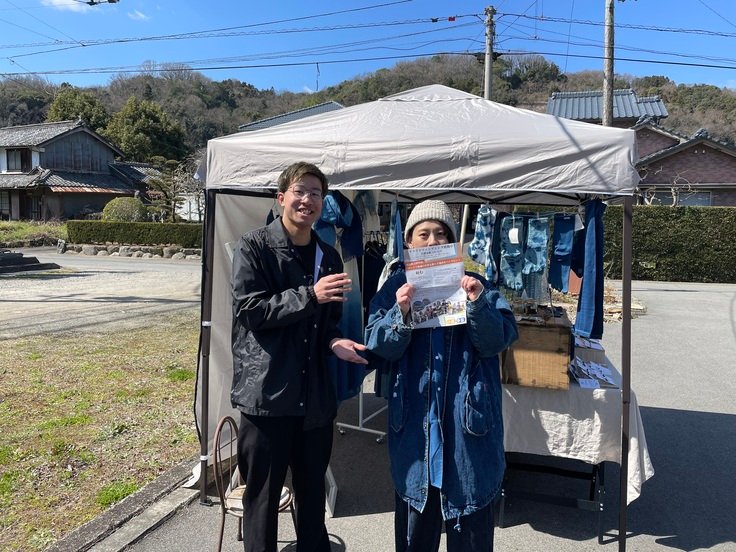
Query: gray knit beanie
(431, 209)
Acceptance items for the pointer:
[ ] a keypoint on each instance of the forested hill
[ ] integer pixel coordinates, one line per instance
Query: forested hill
(178, 110)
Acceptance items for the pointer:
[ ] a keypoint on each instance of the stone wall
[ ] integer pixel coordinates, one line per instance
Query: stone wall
(135, 251)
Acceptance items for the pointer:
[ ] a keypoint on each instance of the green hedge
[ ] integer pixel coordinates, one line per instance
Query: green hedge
(675, 244)
(134, 233)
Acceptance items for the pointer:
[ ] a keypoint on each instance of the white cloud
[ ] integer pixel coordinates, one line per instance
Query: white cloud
(138, 16)
(306, 89)
(66, 5)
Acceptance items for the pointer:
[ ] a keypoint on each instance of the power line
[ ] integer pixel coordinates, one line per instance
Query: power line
(44, 22)
(224, 34)
(625, 25)
(164, 69)
(618, 58)
(619, 47)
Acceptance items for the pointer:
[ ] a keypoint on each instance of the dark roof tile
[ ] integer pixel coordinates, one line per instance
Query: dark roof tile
(34, 135)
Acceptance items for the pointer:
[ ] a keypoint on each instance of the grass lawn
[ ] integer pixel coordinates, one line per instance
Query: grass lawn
(19, 230)
(87, 419)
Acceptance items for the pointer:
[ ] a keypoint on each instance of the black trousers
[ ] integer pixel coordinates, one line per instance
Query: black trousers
(267, 447)
(416, 531)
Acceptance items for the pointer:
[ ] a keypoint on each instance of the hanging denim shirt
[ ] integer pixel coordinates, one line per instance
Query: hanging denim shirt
(559, 266)
(589, 318)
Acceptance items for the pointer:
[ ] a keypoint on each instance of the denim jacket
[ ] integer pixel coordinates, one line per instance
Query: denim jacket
(472, 428)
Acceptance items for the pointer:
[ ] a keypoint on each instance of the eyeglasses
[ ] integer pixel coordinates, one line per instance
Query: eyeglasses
(301, 193)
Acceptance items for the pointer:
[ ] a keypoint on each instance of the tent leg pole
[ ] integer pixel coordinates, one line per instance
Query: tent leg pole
(206, 321)
(625, 367)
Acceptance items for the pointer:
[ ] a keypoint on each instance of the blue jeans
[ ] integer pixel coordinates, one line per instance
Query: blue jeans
(559, 266)
(535, 254)
(416, 531)
(512, 257)
(589, 319)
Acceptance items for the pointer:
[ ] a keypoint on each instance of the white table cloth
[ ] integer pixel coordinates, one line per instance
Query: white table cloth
(582, 424)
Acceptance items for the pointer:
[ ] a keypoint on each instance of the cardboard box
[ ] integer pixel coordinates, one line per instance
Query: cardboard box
(540, 357)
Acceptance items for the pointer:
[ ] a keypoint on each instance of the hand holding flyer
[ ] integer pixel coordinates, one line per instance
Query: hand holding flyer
(436, 272)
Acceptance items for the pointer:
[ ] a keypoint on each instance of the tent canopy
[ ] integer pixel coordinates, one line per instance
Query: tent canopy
(437, 141)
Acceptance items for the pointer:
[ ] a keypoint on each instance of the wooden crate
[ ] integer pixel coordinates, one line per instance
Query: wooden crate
(540, 357)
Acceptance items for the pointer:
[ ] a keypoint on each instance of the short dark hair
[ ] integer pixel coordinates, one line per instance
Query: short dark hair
(295, 171)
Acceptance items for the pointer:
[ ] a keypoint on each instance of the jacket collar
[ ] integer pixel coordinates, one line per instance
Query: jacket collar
(277, 236)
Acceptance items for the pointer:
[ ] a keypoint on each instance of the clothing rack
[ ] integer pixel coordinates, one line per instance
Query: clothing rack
(342, 427)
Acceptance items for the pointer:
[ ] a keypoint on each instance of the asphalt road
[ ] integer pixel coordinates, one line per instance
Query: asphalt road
(94, 292)
(684, 376)
(683, 373)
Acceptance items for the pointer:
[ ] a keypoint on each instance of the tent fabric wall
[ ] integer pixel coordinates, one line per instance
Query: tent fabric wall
(424, 143)
(236, 215)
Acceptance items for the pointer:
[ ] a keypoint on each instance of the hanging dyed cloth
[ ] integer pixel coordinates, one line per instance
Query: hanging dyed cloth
(589, 318)
(340, 226)
(480, 248)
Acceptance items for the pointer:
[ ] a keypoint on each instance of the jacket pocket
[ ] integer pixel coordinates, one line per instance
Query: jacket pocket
(397, 404)
(478, 412)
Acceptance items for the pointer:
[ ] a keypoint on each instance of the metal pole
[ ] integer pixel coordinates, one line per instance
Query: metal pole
(206, 332)
(627, 257)
(608, 67)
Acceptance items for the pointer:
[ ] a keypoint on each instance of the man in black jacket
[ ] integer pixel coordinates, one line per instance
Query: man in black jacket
(288, 290)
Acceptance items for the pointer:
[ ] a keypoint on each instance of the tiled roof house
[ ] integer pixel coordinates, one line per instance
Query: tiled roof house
(60, 170)
(674, 168)
(587, 106)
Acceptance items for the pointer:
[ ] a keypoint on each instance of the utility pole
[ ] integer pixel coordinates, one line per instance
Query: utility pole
(490, 12)
(608, 67)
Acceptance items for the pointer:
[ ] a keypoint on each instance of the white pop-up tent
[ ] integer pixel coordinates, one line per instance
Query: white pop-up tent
(430, 142)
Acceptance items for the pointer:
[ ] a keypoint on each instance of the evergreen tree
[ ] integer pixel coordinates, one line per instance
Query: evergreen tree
(143, 131)
(72, 103)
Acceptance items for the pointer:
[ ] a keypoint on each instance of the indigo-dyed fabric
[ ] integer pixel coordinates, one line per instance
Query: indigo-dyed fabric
(338, 212)
(480, 248)
(535, 253)
(562, 236)
(512, 252)
(589, 318)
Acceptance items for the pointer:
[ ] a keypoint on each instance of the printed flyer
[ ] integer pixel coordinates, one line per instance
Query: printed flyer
(436, 272)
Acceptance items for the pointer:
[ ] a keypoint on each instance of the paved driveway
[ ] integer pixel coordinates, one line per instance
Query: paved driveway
(91, 292)
(684, 376)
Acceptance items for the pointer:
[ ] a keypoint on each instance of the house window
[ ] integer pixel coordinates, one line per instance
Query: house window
(685, 198)
(19, 160)
(4, 205)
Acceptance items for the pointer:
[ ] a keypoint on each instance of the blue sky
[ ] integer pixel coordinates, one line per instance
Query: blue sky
(304, 46)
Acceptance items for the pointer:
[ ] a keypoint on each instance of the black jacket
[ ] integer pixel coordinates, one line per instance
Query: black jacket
(281, 335)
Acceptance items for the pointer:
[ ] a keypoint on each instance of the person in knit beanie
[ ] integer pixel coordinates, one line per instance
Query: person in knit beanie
(431, 210)
(445, 428)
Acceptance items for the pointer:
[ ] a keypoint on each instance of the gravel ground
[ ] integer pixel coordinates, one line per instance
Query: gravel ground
(91, 293)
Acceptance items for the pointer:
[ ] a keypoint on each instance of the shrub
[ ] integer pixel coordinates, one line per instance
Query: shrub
(125, 209)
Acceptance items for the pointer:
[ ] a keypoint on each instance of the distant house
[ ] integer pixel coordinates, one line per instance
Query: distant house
(681, 170)
(675, 169)
(587, 106)
(61, 170)
(291, 116)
